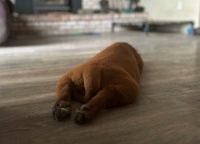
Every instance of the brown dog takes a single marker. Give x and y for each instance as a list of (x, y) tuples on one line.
[(109, 79)]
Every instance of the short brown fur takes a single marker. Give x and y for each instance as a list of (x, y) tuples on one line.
[(109, 79)]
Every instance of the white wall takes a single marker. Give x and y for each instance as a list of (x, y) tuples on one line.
[(173, 10), (163, 10)]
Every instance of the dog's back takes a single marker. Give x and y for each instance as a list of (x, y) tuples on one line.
[(120, 55)]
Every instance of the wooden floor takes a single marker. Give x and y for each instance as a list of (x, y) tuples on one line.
[(168, 111)]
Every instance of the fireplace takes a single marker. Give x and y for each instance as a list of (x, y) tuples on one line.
[(45, 6)]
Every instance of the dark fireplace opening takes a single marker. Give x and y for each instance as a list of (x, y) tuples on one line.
[(45, 6)]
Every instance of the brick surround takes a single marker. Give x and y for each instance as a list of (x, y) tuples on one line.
[(62, 23)]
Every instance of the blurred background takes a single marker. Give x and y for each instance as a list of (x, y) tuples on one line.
[(40, 40), (70, 17)]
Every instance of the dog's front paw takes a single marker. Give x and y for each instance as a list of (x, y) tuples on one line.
[(61, 111), (82, 116)]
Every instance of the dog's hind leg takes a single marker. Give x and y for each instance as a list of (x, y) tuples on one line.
[(92, 82), (110, 96), (90, 109), (62, 107)]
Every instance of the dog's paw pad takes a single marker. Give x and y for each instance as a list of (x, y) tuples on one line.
[(62, 111), (81, 117)]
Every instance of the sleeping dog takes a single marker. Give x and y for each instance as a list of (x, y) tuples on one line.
[(109, 79)]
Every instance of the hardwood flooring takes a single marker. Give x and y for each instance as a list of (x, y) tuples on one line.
[(168, 110)]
